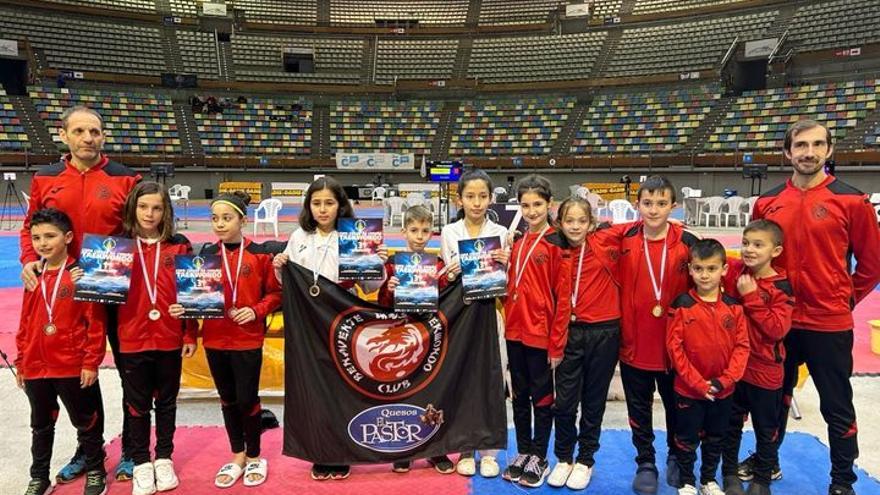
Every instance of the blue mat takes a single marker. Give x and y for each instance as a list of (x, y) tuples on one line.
[(804, 461), (10, 268)]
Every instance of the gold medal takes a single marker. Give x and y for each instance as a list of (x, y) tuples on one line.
[(154, 314), (314, 290), (657, 310), (50, 329)]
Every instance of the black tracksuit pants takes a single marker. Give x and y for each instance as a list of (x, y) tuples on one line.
[(700, 423), (763, 405), (237, 378), (532, 382), (638, 387)]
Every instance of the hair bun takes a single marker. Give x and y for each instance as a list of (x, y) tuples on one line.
[(243, 196)]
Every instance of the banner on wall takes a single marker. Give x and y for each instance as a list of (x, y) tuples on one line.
[(608, 190), (577, 10), (8, 48), (760, 48), (290, 192), (382, 385), (255, 189), (214, 8), (375, 161)]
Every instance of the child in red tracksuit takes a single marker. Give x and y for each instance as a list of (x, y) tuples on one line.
[(768, 302), (234, 344), (60, 344), (708, 343), (418, 225), (537, 311), (587, 368), (152, 342)]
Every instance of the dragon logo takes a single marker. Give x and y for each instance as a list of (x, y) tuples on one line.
[(388, 355)]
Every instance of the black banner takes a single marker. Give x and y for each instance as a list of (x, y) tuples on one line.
[(364, 384)]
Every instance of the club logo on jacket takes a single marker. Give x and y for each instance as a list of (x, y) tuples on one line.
[(728, 322), (168, 261), (387, 355), (765, 296), (541, 259), (820, 212), (103, 192), (65, 291), (246, 270), (394, 427)]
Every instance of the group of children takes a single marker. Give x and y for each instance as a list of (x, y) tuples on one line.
[(581, 295)]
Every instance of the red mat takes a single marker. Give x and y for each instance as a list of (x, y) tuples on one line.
[(200, 451), (865, 361)]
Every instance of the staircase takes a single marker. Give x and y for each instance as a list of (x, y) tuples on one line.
[(562, 146), (321, 131), (227, 70), (187, 130), (462, 58), (443, 137), (38, 135), (855, 138), (171, 50), (368, 64), (696, 143), (611, 41), (473, 13)]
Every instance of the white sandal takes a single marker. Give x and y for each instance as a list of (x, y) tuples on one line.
[(261, 468), (232, 470)]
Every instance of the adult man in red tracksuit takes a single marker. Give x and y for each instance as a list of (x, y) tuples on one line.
[(91, 190), (825, 221)]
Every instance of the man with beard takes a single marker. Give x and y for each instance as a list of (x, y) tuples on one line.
[(825, 222)]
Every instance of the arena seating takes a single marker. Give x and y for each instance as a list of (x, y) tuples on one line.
[(144, 6), (535, 58), (654, 6), (683, 46), (415, 59), (13, 136), (198, 53), (758, 119), (657, 121), (278, 11), (259, 127), (497, 12), (134, 122), (376, 126), (124, 48), (187, 8), (526, 126), (425, 11), (845, 23), (258, 58), (872, 138)]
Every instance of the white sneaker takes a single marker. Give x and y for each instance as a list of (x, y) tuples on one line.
[(143, 481), (580, 477), (711, 488), (559, 475), (489, 467), (466, 466), (687, 490), (166, 478)]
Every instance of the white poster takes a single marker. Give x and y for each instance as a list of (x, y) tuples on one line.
[(375, 161), (8, 48), (577, 10), (213, 8), (760, 48)]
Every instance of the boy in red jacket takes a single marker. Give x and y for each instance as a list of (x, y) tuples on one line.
[(768, 303), (708, 343), (60, 344), (418, 226)]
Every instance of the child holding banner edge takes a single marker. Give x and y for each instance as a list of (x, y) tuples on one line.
[(474, 197), (315, 246)]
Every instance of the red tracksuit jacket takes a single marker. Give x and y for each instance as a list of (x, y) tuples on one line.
[(598, 296), (824, 226), (78, 342), (257, 289), (642, 335), (137, 333), (386, 297), (707, 342), (768, 312), (537, 313), (93, 200)]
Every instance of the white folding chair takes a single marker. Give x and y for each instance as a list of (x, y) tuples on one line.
[(712, 208), (621, 210), (414, 199), (395, 206), (597, 204), (746, 213), (270, 208), (734, 209), (378, 194)]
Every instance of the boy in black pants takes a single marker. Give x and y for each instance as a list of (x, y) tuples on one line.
[(708, 343), (768, 303), (60, 344)]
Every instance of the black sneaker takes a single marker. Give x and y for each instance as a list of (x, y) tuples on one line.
[(756, 488), (96, 483), (442, 464), (733, 486), (400, 467), (534, 473), (39, 487), (514, 470), (840, 490), (747, 466)]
